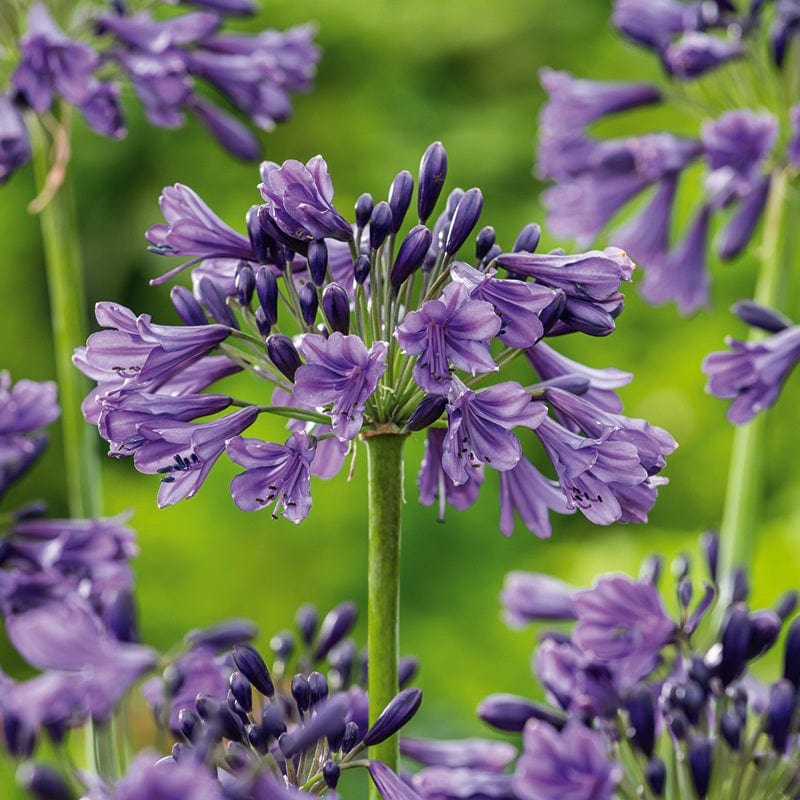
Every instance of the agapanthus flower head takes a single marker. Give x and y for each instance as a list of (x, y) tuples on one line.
[(368, 342), (745, 143)]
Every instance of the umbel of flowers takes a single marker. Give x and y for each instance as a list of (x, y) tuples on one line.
[(358, 331)]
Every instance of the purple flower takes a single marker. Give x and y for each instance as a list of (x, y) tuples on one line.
[(622, 623), (752, 373), (341, 371), (141, 31), (696, 53), (299, 199), (525, 490), (479, 427), (102, 111), (449, 783), (483, 754), (15, 148), (51, 62), (184, 453), (518, 304), (232, 134), (571, 763), (151, 777), (794, 142), (653, 23), (532, 596), (454, 328), (433, 482), (279, 474)]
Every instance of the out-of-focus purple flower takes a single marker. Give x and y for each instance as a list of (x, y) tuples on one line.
[(15, 148), (483, 754), (455, 328), (25, 409), (232, 134), (531, 596), (299, 197), (278, 474), (151, 777), (460, 783), (653, 23), (622, 623), (696, 53), (142, 31), (102, 111), (752, 373), (570, 763), (479, 427), (525, 490), (794, 142), (434, 482), (341, 371)]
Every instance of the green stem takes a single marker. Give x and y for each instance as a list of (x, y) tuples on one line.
[(385, 489), (68, 315), (746, 474)]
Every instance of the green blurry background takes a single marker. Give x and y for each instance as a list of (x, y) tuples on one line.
[(395, 76)]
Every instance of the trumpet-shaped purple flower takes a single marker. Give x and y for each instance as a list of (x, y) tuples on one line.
[(151, 777), (341, 371), (454, 329), (15, 148), (279, 474), (569, 763), (752, 374), (299, 198), (696, 53), (653, 23), (622, 623), (531, 596), (480, 424)]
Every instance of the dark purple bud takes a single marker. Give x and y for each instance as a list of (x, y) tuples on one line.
[(400, 197), (306, 620), (494, 251), (553, 313), (215, 712), (528, 238), (361, 269), (650, 570), (730, 726), (330, 772), (341, 658), (397, 713), (380, 224), (786, 605), (432, 173), (317, 261), (699, 672), (325, 722), (709, 544), (119, 614), (308, 303), (678, 723), (214, 301), (185, 303), (283, 354), (245, 281), (410, 254), (173, 677), (318, 687), (272, 720), (656, 774), (700, 764), (250, 663), (780, 711), (350, 738), (692, 701), (464, 220), (508, 712), (261, 242), (222, 636), (336, 306), (407, 668), (735, 643), (337, 624), (364, 206), (282, 645), (267, 291), (764, 629), (242, 691), (259, 738), (43, 782), (181, 751), (639, 705), (189, 723), (758, 316), (301, 692), (264, 326), (685, 592), (238, 757), (430, 408), (484, 242), (741, 585)]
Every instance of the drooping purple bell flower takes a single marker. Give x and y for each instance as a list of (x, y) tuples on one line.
[(15, 148), (696, 53)]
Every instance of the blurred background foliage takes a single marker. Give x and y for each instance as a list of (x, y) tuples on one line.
[(395, 76)]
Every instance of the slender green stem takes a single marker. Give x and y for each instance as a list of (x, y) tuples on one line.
[(746, 474), (68, 314), (385, 488)]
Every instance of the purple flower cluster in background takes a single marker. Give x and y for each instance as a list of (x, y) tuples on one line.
[(745, 142), (166, 59), (380, 332)]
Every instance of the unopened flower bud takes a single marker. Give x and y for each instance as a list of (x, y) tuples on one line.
[(336, 305), (709, 544), (222, 636), (685, 592), (272, 720), (741, 586), (350, 738), (782, 702), (214, 301), (250, 663), (397, 713), (185, 303), (317, 261), (43, 782), (730, 726), (283, 354), (361, 269), (282, 644), (189, 723), (650, 570), (764, 629), (400, 197), (508, 712), (301, 692), (464, 219), (337, 624), (528, 238), (641, 712), (656, 774), (261, 242), (758, 316), (267, 291), (553, 313), (318, 687), (308, 303), (380, 224), (786, 605), (484, 242), (407, 668), (432, 174), (245, 281), (330, 772), (410, 255), (364, 206), (700, 764), (430, 408)]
